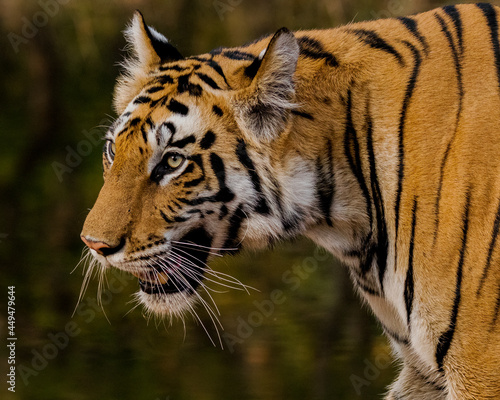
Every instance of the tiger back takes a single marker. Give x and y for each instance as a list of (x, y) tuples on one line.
[(378, 140)]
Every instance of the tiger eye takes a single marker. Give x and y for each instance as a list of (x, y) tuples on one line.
[(174, 160), (110, 150)]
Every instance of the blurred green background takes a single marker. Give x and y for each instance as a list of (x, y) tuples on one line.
[(58, 67)]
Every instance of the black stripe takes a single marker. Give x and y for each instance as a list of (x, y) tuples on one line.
[(217, 111), (366, 261), (171, 127), (183, 142), (401, 151), (208, 140), (144, 134), (238, 55), (454, 51), (372, 39), (149, 122), (246, 161), (312, 48), (142, 100), (252, 69), (194, 182), (409, 282), (325, 182), (235, 222), (366, 288), (209, 81), (183, 200), (276, 191), (429, 381), (172, 67), (291, 222), (223, 211), (155, 102), (134, 122), (224, 194), (159, 132), (382, 242), (196, 211), (167, 220), (188, 170), (491, 16), (351, 146), (122, 131), (177, 107), (217, 68), (395, 336), (185, 86), (154, 89), (218, 168), (196, 159), (412, 26), (446, 337), (454, 14), (497, 309), (303, 114), (494, 236), (458, 70), (164, 79)]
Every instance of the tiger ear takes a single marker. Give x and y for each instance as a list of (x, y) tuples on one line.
[(149, 50), (150, 46), (263, 108)]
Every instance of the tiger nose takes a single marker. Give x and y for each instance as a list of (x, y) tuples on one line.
[(102, 248)]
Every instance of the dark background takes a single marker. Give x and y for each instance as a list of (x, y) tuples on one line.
[(57, 71)]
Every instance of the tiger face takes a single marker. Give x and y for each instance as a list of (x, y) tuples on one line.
[(179, 174)]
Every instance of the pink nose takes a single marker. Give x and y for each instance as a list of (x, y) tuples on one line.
[(102, 248)]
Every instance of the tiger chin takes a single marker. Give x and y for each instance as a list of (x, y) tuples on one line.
[(378, 140)]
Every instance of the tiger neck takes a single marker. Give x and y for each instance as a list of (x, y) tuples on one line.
[(322, 177), (325, 135)]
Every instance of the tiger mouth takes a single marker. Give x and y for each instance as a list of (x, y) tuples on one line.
[(184, 272), (165, 283)]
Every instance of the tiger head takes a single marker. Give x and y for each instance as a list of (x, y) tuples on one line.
[(195, 165)]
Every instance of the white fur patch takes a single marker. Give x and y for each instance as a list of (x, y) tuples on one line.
[(172, 305)]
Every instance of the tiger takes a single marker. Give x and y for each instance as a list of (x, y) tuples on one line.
[(378, 140)]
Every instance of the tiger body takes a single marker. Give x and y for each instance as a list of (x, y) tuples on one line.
[(378, 140)]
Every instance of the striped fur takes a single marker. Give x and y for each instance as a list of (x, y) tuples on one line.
[(378, 140)]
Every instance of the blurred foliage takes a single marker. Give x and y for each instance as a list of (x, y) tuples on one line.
[(58, 67)]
